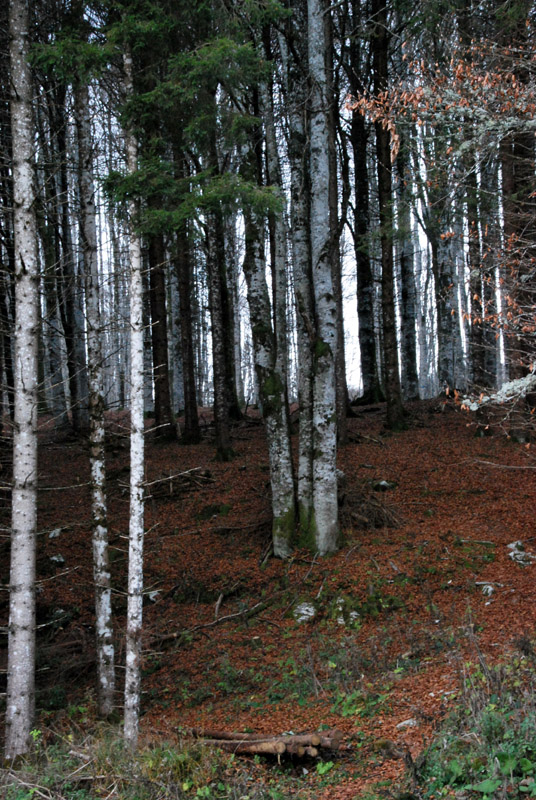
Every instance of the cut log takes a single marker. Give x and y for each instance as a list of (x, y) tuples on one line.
[(212, 733), (294, 744), (312, 739), (272, 747), (330, 740), (295, 750)]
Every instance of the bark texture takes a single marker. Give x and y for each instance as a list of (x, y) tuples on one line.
[(136, 527), (325, 527), (272, 390), (21, 633), (293, 49)]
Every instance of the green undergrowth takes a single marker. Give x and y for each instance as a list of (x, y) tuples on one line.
[(100, 766), (486, 747)]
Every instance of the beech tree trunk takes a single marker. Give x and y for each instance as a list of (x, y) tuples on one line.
[(136, 526), (21, 631), (101, 565)]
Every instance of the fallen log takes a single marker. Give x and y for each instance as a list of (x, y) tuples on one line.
[(274, 748), (313, 739), (331, 740), (296, 744), (295, 750)]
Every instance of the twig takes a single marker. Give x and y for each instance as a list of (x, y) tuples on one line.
[(476, 541), (501, 466), (32, 787), (246, 612), (218, 604), (195, 471)]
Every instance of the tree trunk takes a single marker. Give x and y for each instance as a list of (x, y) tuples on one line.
[(295, 60), (410, 377), (69, 290), (21, 631), (233, 283), (224, 450), (101, 565), (191, 433), (48, 224), (272, 390), (489, 215), (341, 389), (442, 266), (365, 280), (325, 526), (165, 427), (7, 271), (136, 526), (216, 248), (395, 411), (279, 249)]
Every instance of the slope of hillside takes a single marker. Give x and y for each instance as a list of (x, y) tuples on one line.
[(373, 641)]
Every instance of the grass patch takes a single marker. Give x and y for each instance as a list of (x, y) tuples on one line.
[(100, 766), (487, 746)]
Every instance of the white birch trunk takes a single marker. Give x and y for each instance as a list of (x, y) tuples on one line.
[(325, 509), (21, 634), (136, 529), (101, 566)]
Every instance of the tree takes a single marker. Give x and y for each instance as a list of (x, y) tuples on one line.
[(270, 363), (136, 525), (101, 566), (21, 634), (324, 524), (380, 49), (355, 62), (294, 56)]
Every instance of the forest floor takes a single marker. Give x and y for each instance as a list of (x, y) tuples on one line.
[(374, 641)]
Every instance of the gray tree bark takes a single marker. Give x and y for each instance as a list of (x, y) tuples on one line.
[(101, 565), (293, 49), (325, 527), (21, 631), (136, 526)]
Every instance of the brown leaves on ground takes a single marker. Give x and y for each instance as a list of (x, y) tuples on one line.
[(386, 623)]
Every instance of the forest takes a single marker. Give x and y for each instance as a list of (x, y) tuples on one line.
[(267, 378)]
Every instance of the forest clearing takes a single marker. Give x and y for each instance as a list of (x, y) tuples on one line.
[(375, 641)]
